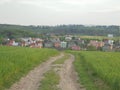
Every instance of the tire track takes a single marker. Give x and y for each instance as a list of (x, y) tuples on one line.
[(68, 76), (32, 80)]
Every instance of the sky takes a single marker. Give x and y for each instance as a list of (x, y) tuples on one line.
[(56, 12)]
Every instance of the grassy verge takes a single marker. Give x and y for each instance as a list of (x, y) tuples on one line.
[(98, 70), (83, 75), (104, 65), (62, 60), (50, 81), (16, 62)]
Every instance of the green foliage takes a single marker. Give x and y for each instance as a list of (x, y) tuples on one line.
[(91, 48), (1, 40), (16, 33), (13, 31), (16, 62), (50, 81)]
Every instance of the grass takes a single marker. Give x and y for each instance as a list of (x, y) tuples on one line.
[(94, 37), (106, 66), (15, 62), (62, 60), (83, 75), (98, 37), (98, 70), (50, 81)]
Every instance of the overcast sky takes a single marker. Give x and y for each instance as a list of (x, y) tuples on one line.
[(53, 12)]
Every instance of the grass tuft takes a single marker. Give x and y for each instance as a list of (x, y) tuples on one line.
[(62, 60), (50, 81)]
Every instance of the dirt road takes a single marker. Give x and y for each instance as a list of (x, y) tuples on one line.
[(68, 76), (32, 80)]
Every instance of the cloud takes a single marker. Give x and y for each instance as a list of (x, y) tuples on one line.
[(59, 11), (71, 5), (4, 1), (75, 5)]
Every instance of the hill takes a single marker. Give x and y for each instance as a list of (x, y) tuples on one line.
[(13, 31)]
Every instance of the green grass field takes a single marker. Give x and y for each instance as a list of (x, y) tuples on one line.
[(15, 62), (98, 70)]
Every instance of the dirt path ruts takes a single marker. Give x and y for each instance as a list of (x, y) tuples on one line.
[(68, 76), (32, 80)]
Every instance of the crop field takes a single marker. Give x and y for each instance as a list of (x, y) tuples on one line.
[(98, 70), (16, 62), (98, 37)]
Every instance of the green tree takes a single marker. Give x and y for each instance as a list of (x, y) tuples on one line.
[(91, 48)]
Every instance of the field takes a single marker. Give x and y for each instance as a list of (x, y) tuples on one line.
[(15, 62), (98, 37), (98, 70)]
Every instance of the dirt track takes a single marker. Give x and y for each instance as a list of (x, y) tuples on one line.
[(68, 76), (32, 80)]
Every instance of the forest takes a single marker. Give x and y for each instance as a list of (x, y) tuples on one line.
[(16, 31)]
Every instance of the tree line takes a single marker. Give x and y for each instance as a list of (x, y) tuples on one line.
[(14, 31)]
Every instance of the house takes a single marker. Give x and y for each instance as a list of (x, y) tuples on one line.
[(12, 43), (48, 44), (93, 43), (77, 48), (110, 42), (70, 44), (23, 43), (55, 39), (108, 45), (68, 38), (63, 44), (32, 42), (107, 48), (26, 41), (110, 35), (37, 44), (79, 42), (96, 43), (57, 44), (100, 44)]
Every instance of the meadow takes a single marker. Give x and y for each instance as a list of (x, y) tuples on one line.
[(98, 70), (16, 62), (98, 37)]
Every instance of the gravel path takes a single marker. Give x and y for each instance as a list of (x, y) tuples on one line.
[(32, 80)]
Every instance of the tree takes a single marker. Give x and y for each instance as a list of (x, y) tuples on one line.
[(91, 48)]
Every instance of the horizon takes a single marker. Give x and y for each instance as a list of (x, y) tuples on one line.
[(57, 24)]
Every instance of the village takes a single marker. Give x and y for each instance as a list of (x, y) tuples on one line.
[(69, 42)]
